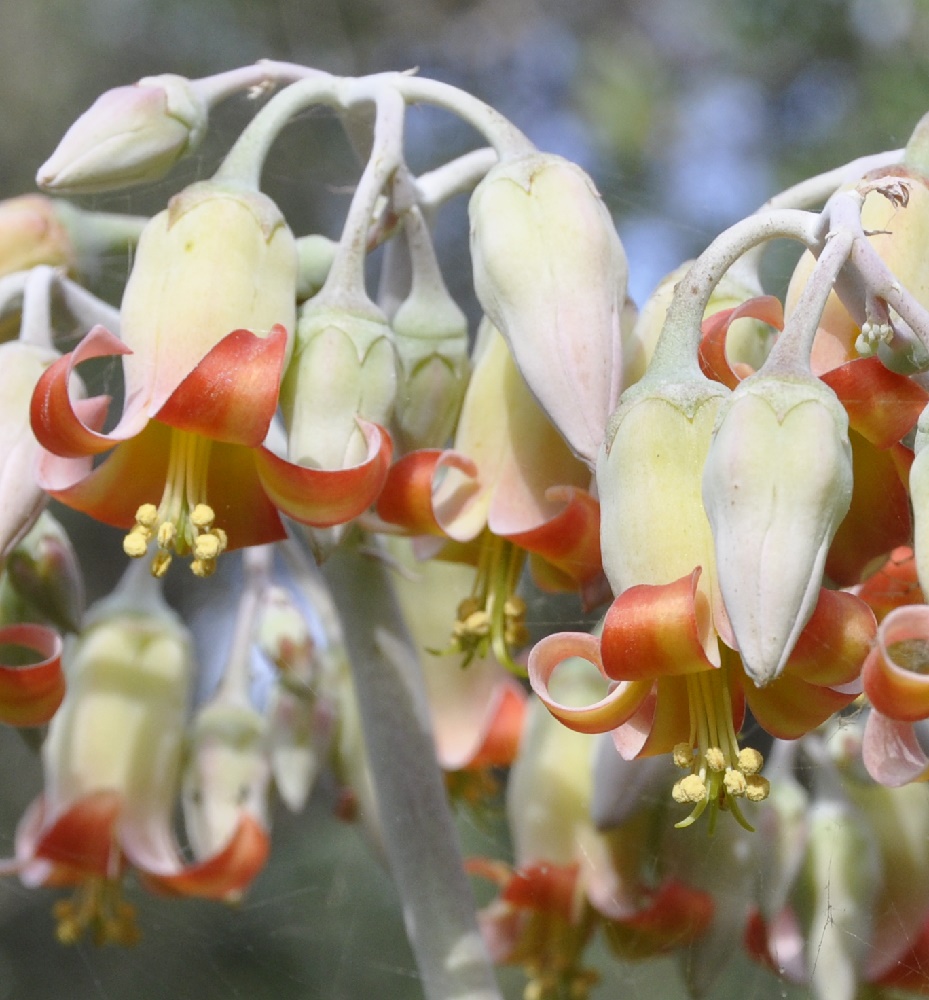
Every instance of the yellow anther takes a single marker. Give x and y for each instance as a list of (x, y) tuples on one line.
[(203, 567), (146, 515), (715, 759), (160, 563), (202, 516), (477, 624), (683, 755), (690, 788), (734, 782), (750, 760), (206, 546), (167, 532), (135, 544), (757, 788), (221, 537), (467, 608), (514, 607)]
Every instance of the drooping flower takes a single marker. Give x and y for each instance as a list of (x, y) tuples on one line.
[(111, 764), (207, 321), (509, 486)]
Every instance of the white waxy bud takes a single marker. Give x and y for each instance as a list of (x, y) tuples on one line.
[(550, 273), (776, 486), (344, 366), (129, 135)]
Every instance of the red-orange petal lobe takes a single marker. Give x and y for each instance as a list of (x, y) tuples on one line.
[(652, 631), (891, 753), (712, 353), (225, 875), (661, 721), (882, 405), (910, 972), (879, 518), (501, 741), (833, 645), (406, 498), (570, 540), (544, 887), (326, 497), (134, 474), (894, 585), (84, 837), (600, 717), (790, 707), (232, 393), (895, 690), (30, 694), (675, 915), (58, 422)]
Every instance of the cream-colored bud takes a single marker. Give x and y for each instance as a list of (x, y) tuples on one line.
[(777, 484), (550, 274), (344, 367), (129, 135), (31, 233)]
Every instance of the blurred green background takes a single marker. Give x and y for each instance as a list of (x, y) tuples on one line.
[(688, 113)]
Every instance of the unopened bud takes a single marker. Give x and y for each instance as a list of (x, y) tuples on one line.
[(31, 233), (129, 135)]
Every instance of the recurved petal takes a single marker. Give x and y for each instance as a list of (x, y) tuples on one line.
[(570, 540), (224, 876), (789, 707), (83, 837), (661, 721), (30, 694), (891, 752), (713, 358), (407, 496), (326, 497), (601, 716), (654, 631), (232, 393), (59, 423), (894, 673)]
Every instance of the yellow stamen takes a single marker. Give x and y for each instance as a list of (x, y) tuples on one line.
[(98, 907), (721, 771), (493, 616), (183, 522)]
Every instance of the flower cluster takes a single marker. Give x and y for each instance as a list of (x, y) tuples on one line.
[(731, 502)]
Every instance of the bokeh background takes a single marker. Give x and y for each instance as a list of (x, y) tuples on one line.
[(688, 113)]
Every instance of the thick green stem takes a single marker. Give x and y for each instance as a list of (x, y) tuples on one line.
[(419, 834)]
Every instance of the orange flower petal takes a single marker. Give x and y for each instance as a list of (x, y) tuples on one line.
[(894, 585), (570, 540), (237, 495), (501, 740), (894, 689), (58, 422), (406, 498), (226, 875), (712, 355), (83, 839), (661, 721), (833, 645), (882, 406), (879, 517), (789, 707), (600, 717), (673, 916), (545, 888), (652, 631), (325, 497), (232, 393), (30, 694)]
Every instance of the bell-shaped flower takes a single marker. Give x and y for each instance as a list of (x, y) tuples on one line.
[(477, 711), (128, 135), (225, 784), (550, 274), (111, 764), (508, 487), (776, 485), (202, 373)]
